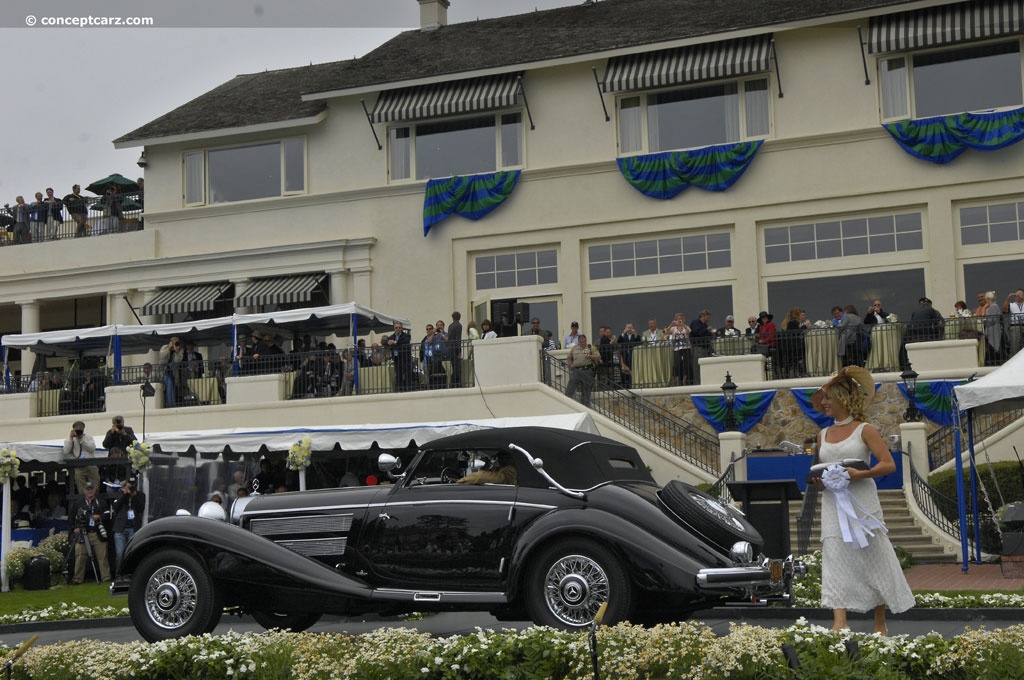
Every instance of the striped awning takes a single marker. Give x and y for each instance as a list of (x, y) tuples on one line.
[(723, 59), (279, 290), (962, 22), (447, 99), (185, 299)]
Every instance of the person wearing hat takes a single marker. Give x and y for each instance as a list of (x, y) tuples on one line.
[(767, 333), (574, 335), (860, 570), (729, 330), (127, 512), (87, 517)]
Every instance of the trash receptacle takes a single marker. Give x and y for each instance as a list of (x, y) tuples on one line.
[(766, 505), (37, 573)]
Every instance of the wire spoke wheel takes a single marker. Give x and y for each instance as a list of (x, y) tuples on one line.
[(171, 597), (574, 588)]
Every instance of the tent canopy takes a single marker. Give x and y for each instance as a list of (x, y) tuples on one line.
[(325, 438), (1000, 390), (337, 319)]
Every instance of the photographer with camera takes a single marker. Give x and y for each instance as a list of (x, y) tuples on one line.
[(118, 438), (126, 511), (87, 517), (171, 356), (80, 445)]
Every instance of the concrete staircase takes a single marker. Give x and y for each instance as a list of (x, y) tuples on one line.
[(903, 530)]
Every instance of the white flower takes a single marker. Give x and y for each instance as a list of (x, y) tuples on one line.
[(300, 454), (892, 318)]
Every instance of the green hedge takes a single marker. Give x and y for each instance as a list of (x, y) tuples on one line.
[(1007, 481)]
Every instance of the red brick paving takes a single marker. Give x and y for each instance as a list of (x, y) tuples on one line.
[(952, 577)]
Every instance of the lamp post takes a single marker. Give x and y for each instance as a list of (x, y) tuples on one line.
[(729, 390), (909, 377)]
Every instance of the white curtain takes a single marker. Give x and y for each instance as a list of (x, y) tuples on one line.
[(756, 101), (893, 74), (631, 127)]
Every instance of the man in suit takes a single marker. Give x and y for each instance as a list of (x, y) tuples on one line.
[(399, 344), (626, 342), (193, 360), (925, 325), (701, 334), (875, 315), (455, 349), (653, 333)]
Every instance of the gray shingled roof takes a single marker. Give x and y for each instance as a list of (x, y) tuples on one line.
[(251, 99), (487, 44)]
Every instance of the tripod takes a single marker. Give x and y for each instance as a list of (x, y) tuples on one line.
[(65, 567)]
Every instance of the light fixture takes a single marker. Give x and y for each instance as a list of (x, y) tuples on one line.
[(142, 162), (729, 390), (909, 377)]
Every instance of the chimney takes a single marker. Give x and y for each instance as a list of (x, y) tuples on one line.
[(433, 14)]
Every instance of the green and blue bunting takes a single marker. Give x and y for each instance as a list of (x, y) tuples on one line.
[(803, 400), (934, 399), (942, 138), (803, 396), (713, 168), (748, 411), (471, 196)]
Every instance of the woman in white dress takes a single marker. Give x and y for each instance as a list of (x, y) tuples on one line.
[(855, 577)]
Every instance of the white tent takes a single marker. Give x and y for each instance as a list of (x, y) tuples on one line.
[(350, 318), (1000, 390), (349, 437)]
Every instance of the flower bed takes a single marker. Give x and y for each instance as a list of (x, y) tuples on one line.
[(626, 652)]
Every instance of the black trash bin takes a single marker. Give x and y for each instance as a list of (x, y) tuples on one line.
[(766, 505), (37, 573)]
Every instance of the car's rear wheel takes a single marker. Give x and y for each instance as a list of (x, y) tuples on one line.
[(172, 595), (569, 581), (296, 623), (719, 522)]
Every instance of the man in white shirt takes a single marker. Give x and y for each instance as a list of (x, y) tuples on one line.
[(80, 445), (574, 335)]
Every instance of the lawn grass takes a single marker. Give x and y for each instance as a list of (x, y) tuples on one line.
[(85, 595)]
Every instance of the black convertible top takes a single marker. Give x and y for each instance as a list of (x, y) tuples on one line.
[(577, 460)]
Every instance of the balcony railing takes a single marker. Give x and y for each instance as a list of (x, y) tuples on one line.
[(92, 216), (812, 352)]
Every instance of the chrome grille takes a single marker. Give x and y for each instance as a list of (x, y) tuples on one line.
[(315, 546), (306, 524)]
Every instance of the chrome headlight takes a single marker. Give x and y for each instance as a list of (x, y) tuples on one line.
[(742, 552), (238, 507), (212, 510)]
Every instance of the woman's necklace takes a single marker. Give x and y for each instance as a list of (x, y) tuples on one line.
[(845, 421)]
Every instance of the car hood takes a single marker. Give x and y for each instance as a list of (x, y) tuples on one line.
[(355, 496)]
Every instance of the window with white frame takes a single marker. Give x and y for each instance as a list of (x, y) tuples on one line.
[(514, 270), (994, 223), (694, 252), (243, 173), (952, 80), (461, 146), (714, 113), (844, 237)]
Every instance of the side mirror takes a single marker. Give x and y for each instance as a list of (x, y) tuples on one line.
[(386, 462)]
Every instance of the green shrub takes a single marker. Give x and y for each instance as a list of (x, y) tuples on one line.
[(1008, 480)]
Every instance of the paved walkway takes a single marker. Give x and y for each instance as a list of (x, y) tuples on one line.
[(952, 577)]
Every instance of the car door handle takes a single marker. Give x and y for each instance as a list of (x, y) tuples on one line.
[(384, 516)]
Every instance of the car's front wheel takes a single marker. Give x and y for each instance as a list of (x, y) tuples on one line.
[(172, 595), (295, 623), (569, 581)]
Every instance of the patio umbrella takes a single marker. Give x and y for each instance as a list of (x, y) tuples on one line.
[(123, 184)]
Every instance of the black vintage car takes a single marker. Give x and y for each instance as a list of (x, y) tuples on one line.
[(578, 522)]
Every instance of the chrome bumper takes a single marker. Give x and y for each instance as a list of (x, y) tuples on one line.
[(774, 574)]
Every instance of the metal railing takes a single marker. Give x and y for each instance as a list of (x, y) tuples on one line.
[(65, 392), (942, 442), (654, 423), (720, 488), (936, 506), (59, 220), (811, 352)]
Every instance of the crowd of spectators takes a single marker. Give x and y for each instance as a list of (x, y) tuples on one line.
[(49, 218)]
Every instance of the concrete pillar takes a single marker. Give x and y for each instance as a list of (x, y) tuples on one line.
[(240, 286), (361, 285), (915, 442), (338, 287), (29, 324), (732, 445)]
